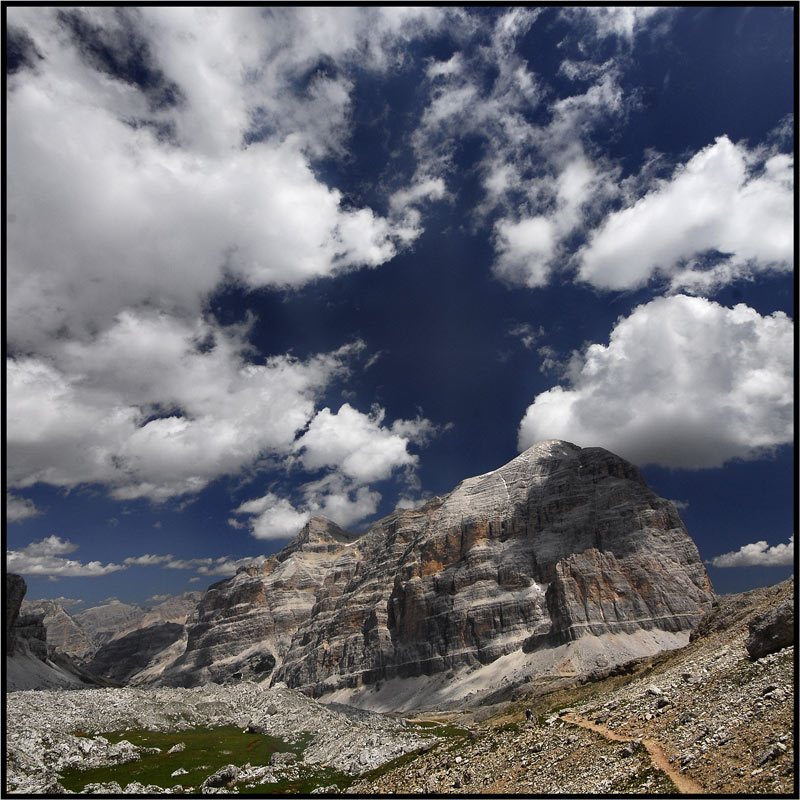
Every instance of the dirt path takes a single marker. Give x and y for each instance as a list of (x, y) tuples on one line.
[(684, 784)]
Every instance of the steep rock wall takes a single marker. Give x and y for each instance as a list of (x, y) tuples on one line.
[(559, 544)]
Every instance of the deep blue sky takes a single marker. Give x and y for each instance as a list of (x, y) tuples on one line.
[(265, 264)]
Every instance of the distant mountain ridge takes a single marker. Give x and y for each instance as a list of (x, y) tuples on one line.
[(562, 560), (83, 635)]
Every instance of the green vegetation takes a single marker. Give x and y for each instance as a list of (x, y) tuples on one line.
[(207, 750), (307, 779), (509, 727)]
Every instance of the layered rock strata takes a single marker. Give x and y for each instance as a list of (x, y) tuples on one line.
[(122, 659), (560, 544), (63, 633)]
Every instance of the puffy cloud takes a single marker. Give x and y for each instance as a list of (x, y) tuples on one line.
[(683, 382), (338, 499), (274, 517), (540, 175), (153, 153), (68, 602), (147, 560), (355, 449), (156, 407), (404, 205), (224, 565), (46, 557), (158, 598), (758, 554), (736, 202), (143, 199), (19, 508), (357, 444), (525, 249)]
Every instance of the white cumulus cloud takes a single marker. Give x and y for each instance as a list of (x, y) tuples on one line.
[(46, 557), (727, 199), (757, 554), (357, 444), (156, 407), (354, 449), (19, 508), (683, 382), (333, 497)]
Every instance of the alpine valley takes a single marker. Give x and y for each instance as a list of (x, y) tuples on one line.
[(561, 568)]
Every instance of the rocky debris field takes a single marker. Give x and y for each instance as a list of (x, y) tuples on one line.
[(524, 758), (716, 720), (52, 731)]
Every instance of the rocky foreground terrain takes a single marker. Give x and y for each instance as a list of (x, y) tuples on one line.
[(716, 716)]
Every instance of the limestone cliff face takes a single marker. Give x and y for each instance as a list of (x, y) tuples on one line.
[(124, 657), (559, 544), (63, 633), (245, 623), (103, 623)]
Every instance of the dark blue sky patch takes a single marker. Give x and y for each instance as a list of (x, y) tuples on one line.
[(20, 50), (124, 54)]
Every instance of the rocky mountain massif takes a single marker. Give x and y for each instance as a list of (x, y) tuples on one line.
[(110, 644), (561, 562)]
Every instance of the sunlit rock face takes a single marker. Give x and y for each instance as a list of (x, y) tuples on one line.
[(558, 544), (63, 633)]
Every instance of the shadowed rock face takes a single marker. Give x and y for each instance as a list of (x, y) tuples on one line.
[(15, 592), (63, 633), (120, 659), (559, 544)]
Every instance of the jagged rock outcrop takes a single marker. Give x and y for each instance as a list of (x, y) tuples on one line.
[(32, 663), (174, 609), (771, 631), (558, 546), (63, 633), (15, 592), (244, 622), (103, 623)]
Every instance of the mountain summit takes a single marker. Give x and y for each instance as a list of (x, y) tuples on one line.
[(560, 562)]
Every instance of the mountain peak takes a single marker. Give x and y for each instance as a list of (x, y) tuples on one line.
[(552, 557)]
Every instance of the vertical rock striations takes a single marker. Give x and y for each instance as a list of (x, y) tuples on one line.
[(15, 592), (559, 544)]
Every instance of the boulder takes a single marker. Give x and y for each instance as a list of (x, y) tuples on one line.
[(771, 631), (222, 777)]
